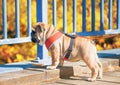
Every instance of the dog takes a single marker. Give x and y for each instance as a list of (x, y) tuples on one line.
[(60, 44)]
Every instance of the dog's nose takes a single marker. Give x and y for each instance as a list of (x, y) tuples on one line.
[(34, 37)]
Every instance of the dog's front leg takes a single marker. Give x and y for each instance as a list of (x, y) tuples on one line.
[(55, 57)]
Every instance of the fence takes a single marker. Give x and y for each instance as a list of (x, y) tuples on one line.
[(42, 16), (17, 39), (102, 31)]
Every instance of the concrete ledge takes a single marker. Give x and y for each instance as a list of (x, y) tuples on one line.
[(79, 68), (29, 77), (39, 75)]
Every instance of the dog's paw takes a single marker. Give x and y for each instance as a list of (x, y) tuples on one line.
[(91, 79), (99, 77), (51, 67)]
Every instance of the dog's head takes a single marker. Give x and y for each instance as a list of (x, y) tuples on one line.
[(38, 34)]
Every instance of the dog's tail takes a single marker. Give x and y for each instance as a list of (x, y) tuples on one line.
[(104, 36)]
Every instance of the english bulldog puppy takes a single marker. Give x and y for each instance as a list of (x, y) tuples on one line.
[(58, 44)]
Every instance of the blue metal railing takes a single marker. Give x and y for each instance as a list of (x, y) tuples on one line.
[(54, 12), (93, 15), (102, 30), (29, 17), (17, 39), (42, 16), (65, 15), (4, 18), (84, 31), (110, 14), (84, 16), (118, 15), (102, 15), (74, 16), (17, 9)]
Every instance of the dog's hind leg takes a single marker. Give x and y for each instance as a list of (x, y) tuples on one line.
[(93, 67), (100, 71)]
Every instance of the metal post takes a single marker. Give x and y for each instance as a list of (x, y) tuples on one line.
[(93, 15), (54, 12), (84, 16), (4, 19), (118, 14), (42, 52), (65, 16), (17, 18), (110, 15), (29, 17), (74, 16), (102, 15)]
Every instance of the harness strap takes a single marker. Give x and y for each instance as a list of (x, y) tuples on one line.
[(52, 39), (71, 36), (67, 53)]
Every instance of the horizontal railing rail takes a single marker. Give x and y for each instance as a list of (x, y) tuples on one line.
[(17, 39)]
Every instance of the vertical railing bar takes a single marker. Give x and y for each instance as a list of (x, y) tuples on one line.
[(65, 16), (17, 18), (84, 16), (118, 14), (54, 12), (4, 19), (110, 15), (29, 16), (102, 15), (93, 15), (74, 16), (42, 13)]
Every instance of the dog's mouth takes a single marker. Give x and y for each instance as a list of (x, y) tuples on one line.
[(34, 37)]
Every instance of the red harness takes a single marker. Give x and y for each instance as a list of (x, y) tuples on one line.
[(55, 37), (52, 39)]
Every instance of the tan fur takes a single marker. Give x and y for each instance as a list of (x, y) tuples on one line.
[(83, 48)]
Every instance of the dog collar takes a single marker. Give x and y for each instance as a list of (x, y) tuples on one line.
[(52, 39)]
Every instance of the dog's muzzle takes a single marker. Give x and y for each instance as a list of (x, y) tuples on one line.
[(34, 37)]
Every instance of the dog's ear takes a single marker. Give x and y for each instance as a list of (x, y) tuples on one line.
[(38, 27)]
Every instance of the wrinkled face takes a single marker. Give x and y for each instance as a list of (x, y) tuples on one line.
[(38, 35)]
